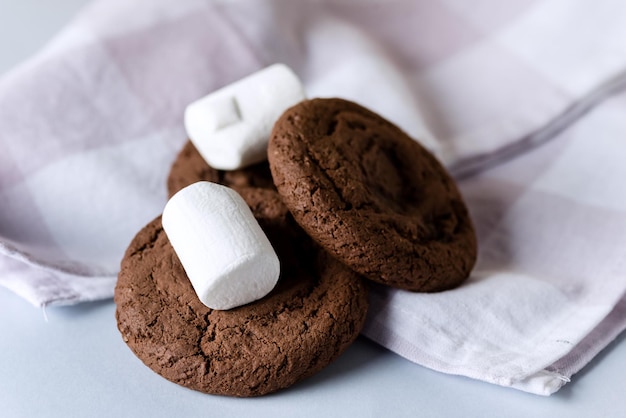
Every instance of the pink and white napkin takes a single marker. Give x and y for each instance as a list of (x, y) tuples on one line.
[(92, 123)]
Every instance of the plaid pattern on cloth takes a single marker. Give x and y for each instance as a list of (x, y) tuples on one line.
[(92, 123)]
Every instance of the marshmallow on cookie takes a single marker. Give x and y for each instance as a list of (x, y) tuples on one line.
[(227, 257), (231, 126)]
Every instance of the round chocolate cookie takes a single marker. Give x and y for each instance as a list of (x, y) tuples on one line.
[(312, 316), (371, 196), (314, 313)]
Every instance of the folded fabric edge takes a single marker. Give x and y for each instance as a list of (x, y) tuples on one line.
[(554, 377), (44, 287), (69, 268), (544, 382), (593, 343), (541, 383)]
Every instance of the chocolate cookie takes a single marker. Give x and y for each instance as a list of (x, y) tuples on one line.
[(312, 316), (371, 196)]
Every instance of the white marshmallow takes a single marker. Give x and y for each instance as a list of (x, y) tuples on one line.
[(231, 126), (227, 257)]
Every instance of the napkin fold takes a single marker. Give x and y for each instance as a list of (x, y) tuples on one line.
[(92, 123)]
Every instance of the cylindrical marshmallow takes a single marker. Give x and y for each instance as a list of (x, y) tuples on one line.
[(227, 257), (231, 126)]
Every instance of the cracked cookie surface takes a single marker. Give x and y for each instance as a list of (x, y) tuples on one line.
[(371, 196), (316, 310)]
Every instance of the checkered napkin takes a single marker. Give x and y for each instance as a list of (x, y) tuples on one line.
[(92, 123)]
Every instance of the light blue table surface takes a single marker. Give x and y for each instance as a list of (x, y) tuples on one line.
[(76, 364)]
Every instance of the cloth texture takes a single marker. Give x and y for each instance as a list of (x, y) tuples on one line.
[(521, 100)]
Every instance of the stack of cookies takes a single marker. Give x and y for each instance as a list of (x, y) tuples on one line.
[(345, 198)]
